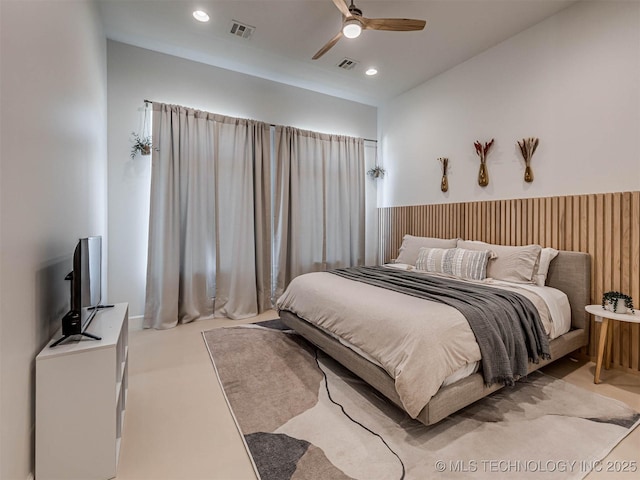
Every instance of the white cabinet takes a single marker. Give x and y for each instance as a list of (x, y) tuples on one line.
[(81, 393)]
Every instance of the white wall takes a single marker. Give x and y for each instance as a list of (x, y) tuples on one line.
[(135, 74), (572, 80), (52, 189)]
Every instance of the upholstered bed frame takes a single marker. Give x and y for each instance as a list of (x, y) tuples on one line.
[(568, 272)]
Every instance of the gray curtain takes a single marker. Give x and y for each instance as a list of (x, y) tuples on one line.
[(210, 219), (319, 203)]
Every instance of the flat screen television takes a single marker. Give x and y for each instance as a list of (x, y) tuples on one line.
[(86, 288)]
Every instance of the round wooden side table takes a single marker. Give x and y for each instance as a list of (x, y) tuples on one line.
[(602, 315)]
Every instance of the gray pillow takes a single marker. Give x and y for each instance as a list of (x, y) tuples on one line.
[(410, 248), (512, 264)]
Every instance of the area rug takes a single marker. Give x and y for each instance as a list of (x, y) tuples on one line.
[(305, 417)]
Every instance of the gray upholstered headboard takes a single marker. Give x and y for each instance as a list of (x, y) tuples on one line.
[(571, 273)]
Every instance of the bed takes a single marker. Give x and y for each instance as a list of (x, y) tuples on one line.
[(568, 272)]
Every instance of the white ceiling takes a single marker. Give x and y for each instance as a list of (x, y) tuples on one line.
[(289, 32)]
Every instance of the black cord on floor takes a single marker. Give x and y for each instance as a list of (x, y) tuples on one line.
[(326, 384)]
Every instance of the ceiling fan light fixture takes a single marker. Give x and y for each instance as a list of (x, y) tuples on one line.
[(353, 23), (352, 28)]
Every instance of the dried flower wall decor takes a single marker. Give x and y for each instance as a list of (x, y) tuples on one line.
[(444, 184), (482, 151), (528, 148)]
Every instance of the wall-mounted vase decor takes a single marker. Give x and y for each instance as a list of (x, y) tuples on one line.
[(482, 151), (444, 184), (528, 148)]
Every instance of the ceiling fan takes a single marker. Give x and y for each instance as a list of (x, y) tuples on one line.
[(353, 23)]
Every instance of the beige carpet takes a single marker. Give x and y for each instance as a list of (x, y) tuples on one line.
[(307, 420)]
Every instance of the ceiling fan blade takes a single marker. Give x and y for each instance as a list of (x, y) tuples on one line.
[(342, 7), (328, 45), (393, 24)]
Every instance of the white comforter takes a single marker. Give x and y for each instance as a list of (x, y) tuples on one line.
[(419, 343)]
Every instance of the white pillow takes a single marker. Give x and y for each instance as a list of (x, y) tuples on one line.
[(512, 264), (461, 263), (546, 255), (410, 248)]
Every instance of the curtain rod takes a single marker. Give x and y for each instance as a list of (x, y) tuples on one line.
[(365, 139)]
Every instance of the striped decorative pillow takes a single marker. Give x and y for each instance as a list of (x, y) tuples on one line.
[(467, 264)]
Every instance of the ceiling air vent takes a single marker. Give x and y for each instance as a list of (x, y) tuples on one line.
[(347, 64), (241, 30)]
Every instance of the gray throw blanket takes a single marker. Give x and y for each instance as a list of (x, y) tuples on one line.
[(506, 324)]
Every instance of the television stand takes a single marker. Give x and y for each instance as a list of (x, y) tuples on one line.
[(100, 307), (60, 340), (81, 400), (72, 325)]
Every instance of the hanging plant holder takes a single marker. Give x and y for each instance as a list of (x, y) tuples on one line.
[(376, 172), (141, 145), (142, 142)]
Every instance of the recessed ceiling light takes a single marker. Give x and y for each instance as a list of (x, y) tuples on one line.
[(371, 71), (201, 16)]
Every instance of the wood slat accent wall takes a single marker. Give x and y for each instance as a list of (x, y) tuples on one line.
[(606, 225)]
